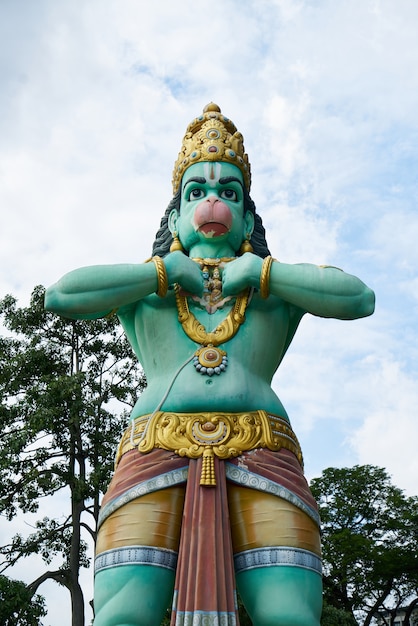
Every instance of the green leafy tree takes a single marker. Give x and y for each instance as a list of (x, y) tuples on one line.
[(18, 605), (370, 540), (331, 616), (65, 387)]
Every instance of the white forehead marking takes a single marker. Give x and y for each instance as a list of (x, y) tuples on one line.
[(212, 172)]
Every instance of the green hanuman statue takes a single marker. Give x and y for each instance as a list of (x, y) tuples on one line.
[(209, 492)]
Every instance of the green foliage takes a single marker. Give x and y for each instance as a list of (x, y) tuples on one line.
[(369, 539), (331, 616), (65, 389), (18, 605)]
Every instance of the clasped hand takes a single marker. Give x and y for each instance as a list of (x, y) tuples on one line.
[(237, 275)]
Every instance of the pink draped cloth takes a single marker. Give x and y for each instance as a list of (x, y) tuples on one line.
[(205, 580)]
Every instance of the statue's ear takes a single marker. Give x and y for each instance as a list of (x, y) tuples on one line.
[(248, 224), (172, 221)]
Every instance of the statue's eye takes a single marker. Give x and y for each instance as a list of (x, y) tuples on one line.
[(195, 194), (229, 194)]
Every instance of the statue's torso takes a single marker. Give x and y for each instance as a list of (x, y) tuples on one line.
[(163, 347)]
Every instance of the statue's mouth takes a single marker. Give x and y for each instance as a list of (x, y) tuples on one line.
[(213, 229)]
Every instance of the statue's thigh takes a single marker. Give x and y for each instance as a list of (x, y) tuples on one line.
[(136, 554), (277, 559), (261, 520)]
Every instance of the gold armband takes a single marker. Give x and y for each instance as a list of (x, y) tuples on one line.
[(161, 276), (265, 277)]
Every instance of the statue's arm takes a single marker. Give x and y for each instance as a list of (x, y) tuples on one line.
[(92, 292), (323, 291), (96, 291)]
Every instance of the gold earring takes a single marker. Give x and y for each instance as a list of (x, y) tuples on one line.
[(176, 244), (246, 246)]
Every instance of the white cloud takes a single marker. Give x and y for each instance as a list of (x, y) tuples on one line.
[(389, 433), (394, 239), (283, 117)]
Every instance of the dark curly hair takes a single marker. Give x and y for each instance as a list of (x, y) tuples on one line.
[(164, 239)]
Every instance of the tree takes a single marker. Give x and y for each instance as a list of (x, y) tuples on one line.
[(18, 605), (59, 383), (369, 540), (331, 616)]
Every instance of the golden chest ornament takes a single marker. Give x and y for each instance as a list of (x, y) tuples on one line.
[(209, 359)]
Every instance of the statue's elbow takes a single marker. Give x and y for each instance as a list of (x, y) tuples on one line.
[(51, 299), (368, 303)]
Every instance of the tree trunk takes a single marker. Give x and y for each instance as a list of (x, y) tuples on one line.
[(386, 591), (77, 482), (77, 604), (407, 618), (77, 598)]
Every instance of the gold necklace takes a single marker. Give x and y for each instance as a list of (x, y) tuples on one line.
[(209, 359), (213, 262)]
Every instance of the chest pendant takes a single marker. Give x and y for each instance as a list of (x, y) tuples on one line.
[(210, 360)]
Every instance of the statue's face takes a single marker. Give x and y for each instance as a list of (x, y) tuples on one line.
[(212, 207)]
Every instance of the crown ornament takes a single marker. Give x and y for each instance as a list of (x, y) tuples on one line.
[(211, 137)]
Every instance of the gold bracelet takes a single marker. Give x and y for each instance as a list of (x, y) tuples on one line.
[(161, 276), (265, 277)]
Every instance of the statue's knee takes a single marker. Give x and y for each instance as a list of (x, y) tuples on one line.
[(132, 595), (281, 596), (279, 616)]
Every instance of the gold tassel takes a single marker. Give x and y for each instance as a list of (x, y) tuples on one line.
[(207, 476)]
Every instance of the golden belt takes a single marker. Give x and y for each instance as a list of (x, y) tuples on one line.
[(207, 435)]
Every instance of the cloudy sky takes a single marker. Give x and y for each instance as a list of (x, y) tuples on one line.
[(95, 96)]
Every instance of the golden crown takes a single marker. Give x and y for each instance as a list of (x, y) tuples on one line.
[(212, 137)]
